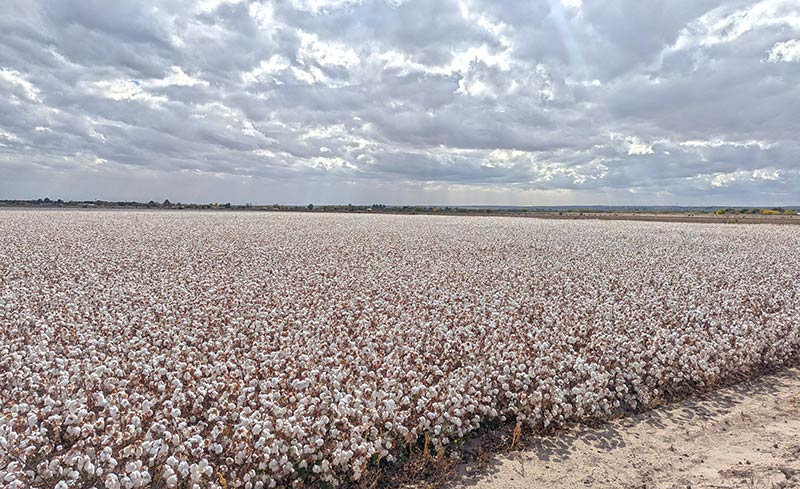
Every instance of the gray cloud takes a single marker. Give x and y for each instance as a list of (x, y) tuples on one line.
[(451, 102)]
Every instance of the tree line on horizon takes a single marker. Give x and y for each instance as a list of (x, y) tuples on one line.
[(167, 204)]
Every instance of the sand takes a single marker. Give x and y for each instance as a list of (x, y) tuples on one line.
[(746, 436)]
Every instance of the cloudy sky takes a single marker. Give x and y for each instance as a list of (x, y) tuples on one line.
[(433, 102)]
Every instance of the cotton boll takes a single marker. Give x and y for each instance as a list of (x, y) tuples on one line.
[(112, 481)]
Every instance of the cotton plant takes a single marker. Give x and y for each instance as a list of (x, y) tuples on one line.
[(265, 350)]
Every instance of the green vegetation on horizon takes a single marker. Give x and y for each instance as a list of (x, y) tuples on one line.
[(403, 209)]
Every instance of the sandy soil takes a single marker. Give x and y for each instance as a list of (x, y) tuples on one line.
[(746, 436)]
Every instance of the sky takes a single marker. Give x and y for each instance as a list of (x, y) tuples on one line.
[(445, 102)]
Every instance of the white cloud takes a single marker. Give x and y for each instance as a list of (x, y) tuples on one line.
[(15, 78), (718, 143), (141, 90), (725, 24), (633, 145), (767, 174), (637, 147), (726, 179), (175, 77), (318, 6), (787, 52), (512, 101), (122, 90), (6, 138)]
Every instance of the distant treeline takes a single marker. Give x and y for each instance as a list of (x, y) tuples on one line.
[(393, 209), (46, 202), (755, 210)]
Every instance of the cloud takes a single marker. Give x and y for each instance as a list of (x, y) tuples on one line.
[(447, 102), (786, 51)]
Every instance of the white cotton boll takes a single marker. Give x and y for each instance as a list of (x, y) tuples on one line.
[(112, 481), (136, 478), (170, 478)]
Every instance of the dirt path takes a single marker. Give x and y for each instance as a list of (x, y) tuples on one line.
[(746, 436)]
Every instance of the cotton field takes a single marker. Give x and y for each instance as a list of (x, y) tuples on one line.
[(188, 349)]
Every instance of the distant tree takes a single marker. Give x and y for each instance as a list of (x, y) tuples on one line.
[(227, 205), (46, 200), (719, 211), (310, 207)]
